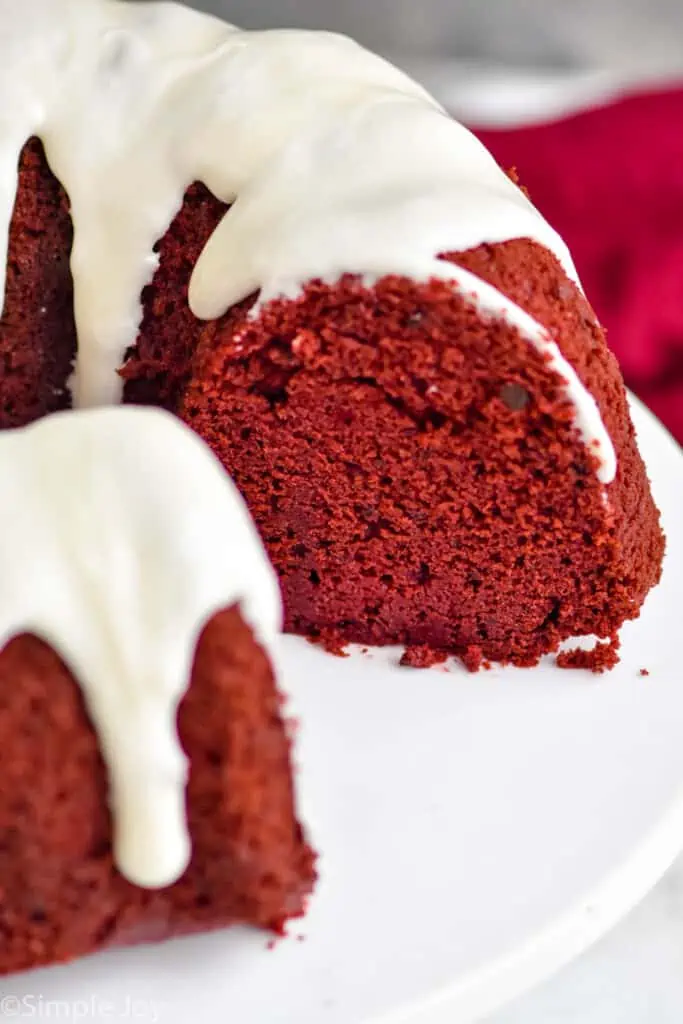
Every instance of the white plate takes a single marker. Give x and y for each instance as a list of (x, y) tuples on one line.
[(476, 832)]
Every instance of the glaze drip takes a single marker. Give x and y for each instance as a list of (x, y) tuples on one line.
[(334, 160), (130, 567)]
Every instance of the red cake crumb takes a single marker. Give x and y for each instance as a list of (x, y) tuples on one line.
[(422, 656), (472, 658), (644, 672), (513, 175), (601, 658), (331, 641)]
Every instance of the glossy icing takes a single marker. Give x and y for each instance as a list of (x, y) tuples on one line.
[(334, 160), (119, 568)]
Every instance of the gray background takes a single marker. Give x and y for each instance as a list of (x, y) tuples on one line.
[(628, 35)]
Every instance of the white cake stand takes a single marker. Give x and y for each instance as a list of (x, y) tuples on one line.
[(476, 832)]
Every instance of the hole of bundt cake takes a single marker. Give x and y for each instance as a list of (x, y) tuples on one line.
[(314, 578), (515, 396)]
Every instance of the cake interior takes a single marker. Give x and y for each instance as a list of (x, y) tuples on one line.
[(413, 466)]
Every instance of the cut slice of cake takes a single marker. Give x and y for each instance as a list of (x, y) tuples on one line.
[(135, 592), (417, 469), (369, 322)]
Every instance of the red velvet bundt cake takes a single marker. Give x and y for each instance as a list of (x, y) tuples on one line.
[(383, 341), (116, 827), (288, 244)]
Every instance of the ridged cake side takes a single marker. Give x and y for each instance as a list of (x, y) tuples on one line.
[(62, 894)]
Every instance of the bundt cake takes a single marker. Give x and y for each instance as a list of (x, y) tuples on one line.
[(284, 240), (111, 577)]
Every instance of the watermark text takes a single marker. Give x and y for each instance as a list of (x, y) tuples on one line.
[(37, 1007)]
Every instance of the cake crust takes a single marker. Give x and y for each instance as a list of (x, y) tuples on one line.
[(61, 895), (37, 329)]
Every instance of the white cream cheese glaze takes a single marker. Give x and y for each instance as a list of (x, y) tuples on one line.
[(119, 568), (334, 161)]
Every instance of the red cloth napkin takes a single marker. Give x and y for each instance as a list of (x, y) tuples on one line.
[(611, 181)]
